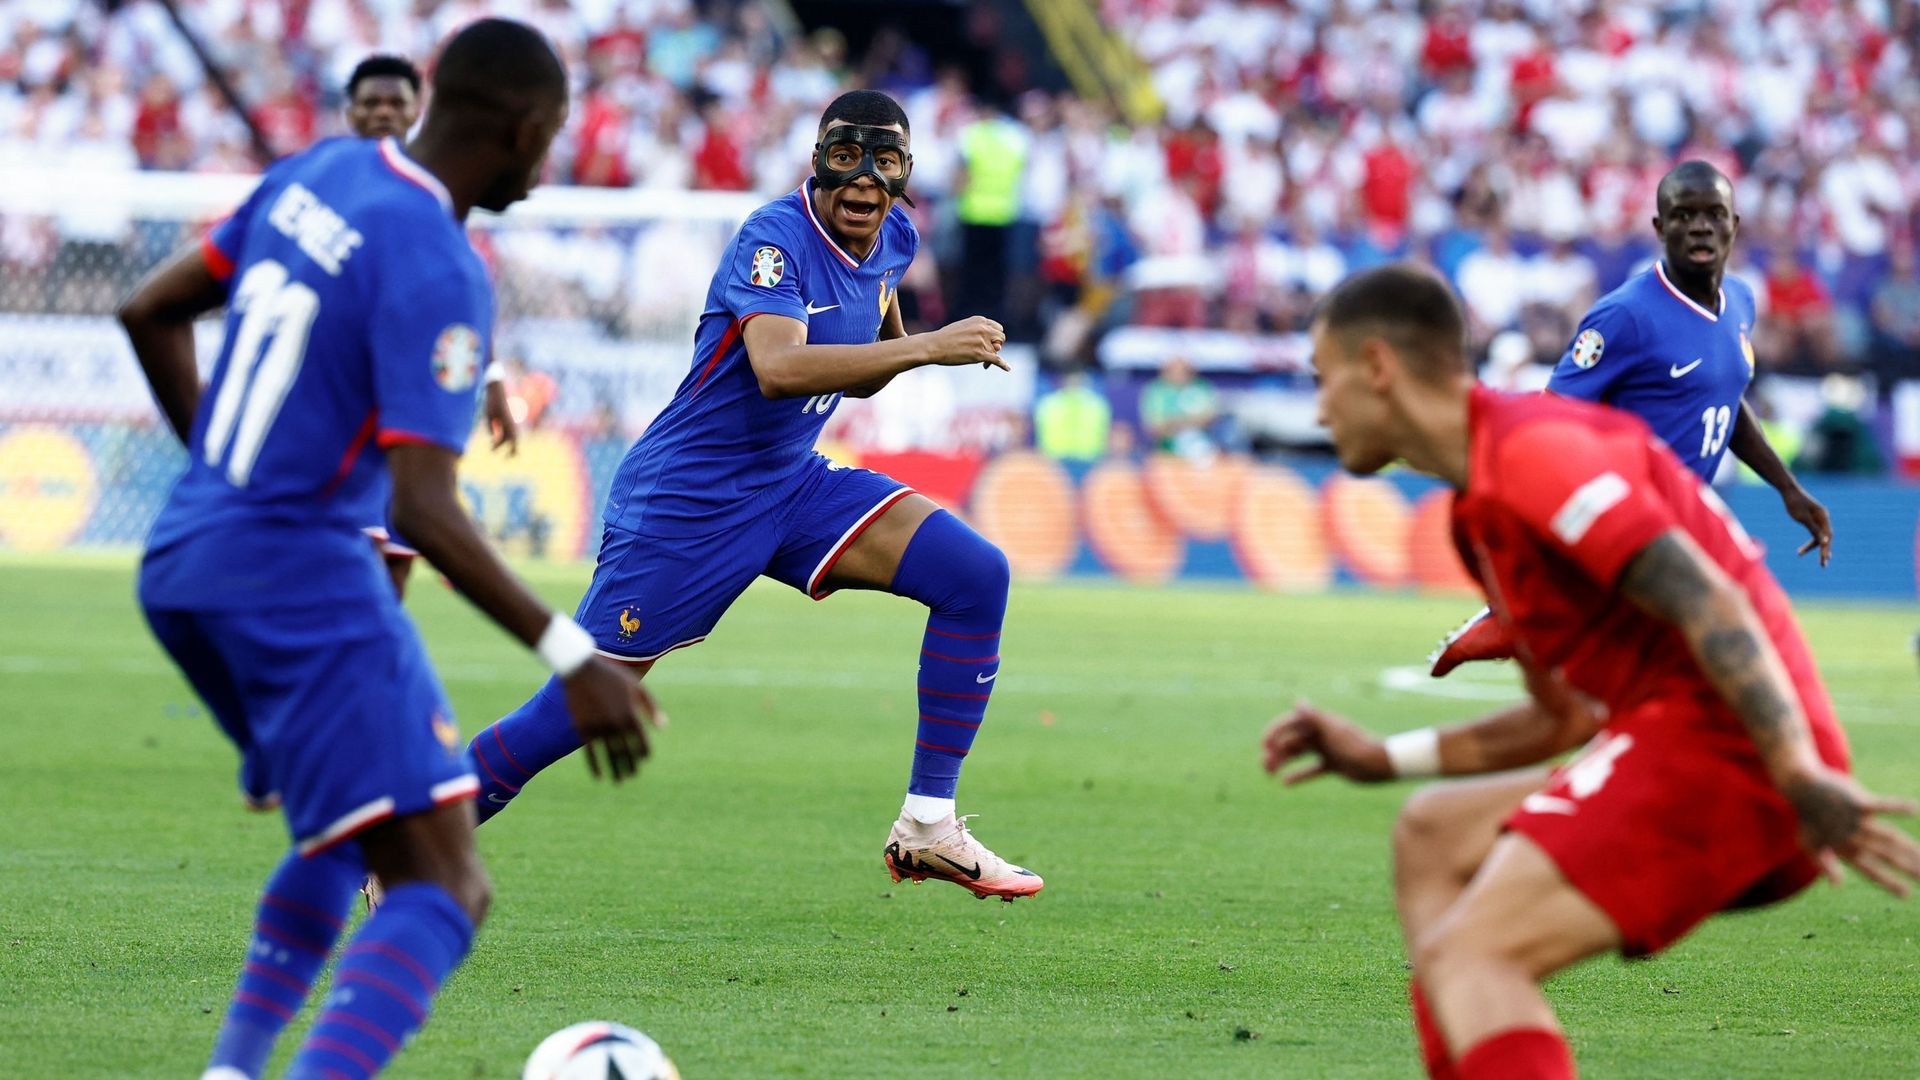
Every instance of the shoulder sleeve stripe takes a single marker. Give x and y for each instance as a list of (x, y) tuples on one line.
[(217, 261), (1586, 504)]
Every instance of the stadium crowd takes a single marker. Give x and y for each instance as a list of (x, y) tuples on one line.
[(1516, 145)]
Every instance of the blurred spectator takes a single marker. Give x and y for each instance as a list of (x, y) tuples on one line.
[(1798, 327), (1840, 441), (159, 141), (601, 150), (1493, 282), (719, 162), (1895, 350), (993, 158), (1073, 421), (529, 393), (1178, 410)]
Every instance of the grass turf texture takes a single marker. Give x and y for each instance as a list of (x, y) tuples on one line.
[(1198, 920)]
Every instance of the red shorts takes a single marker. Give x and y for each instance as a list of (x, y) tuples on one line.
[(1668, 817)]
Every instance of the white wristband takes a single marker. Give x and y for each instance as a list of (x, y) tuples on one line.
[(564, 646), (495, 373), (1415, 753)]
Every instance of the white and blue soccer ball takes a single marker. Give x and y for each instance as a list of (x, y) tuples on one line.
[(598, 1050)]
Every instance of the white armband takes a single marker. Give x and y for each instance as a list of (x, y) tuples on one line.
[(1415, 753), (564, 646), (495, 373)]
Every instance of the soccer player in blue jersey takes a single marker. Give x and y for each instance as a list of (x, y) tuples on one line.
[(383, 100), (1671, 345), (726, 486), (358, 319)]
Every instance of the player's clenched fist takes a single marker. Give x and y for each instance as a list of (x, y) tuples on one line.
[(975, 339), (603, 699), (1341, 747)]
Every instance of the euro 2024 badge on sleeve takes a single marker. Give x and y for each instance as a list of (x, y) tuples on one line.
[(768, 267), (1587, 348), (456, 357)]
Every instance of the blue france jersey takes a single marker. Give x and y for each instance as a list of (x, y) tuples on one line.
[(717, 455), (1650, 350), (358, 317)]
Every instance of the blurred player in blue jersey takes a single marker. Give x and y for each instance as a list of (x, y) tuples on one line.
[(726, 486), (358, 318), (1671, 346), (383, 101)]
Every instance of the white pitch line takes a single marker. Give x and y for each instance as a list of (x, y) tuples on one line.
[(1413, 679)]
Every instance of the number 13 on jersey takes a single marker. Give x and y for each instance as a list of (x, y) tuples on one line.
[(1717, 424)]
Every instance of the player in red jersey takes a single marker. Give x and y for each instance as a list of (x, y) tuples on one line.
[(1716, 776)]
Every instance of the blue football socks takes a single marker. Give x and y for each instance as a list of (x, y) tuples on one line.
[(962, 578), (510, 751), (301, 912), (384, 986)]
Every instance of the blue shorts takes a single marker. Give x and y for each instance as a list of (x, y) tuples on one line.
[(336, 711), (652, 595)]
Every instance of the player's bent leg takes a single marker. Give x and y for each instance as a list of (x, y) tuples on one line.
[(301, 912), (1441, 837), (520, 745), (916, 550), (1482, 963), (437, 893)]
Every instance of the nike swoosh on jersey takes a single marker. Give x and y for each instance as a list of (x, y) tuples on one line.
[(1676, 370), (986, 678), (811, 310)]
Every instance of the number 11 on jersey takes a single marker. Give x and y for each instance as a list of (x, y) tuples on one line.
[(259, 372)]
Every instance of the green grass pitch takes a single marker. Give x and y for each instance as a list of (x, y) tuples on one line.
[(1198, 920)]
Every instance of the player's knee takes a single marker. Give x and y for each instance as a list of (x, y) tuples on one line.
[(990, 572), (955, 569), (1422, 829), (1447, 948)]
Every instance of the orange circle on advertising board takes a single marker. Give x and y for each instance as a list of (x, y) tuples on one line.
[(1278, 538), (48, 488), (1367, 520), (537, 502), (1196, 497), (1431, 557), (1024, 503), (1124, 532)]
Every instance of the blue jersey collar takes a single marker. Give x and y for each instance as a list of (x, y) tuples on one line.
[(1660, 269), (806, 200), (399, 162)]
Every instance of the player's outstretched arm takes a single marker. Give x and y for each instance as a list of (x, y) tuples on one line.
[(1750, 445), (158, 317), (600, 695), (1508, 739), (1674, 580), (787, 367)]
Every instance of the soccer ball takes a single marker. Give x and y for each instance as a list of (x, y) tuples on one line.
[(597, 1050)]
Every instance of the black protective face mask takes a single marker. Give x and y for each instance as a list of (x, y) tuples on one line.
[(869, 141)]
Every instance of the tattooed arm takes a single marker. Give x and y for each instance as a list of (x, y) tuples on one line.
[(1675, 581)]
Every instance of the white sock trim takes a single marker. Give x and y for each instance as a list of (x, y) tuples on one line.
[(926, 809)]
